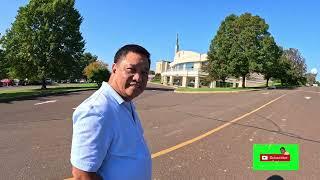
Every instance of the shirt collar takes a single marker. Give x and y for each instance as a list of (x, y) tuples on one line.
[(106, 86)]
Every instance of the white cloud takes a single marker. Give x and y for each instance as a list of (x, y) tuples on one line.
[(314, 71)]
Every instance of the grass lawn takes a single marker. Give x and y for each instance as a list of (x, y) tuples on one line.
[(19, 92), (189, 89), (155, 81)]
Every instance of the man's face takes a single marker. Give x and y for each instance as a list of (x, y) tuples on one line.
[(282, 151), (131, 75)]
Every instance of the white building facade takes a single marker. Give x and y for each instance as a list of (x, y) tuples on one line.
[(186, 70)]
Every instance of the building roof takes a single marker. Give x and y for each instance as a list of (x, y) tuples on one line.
[(188, 56), (164, 61)]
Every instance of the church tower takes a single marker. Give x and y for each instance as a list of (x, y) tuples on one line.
[(177, 44)]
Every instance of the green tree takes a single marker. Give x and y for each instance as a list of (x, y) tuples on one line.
[(297, 62), (269, 58), (44, 40), (97, 72), (88, 58), (245, 51), (311, 78), (298, 66), (284, 70), (3, 66), (157, 77), (236, 50), (219, 50), (292, 68), (151, 72), (85, 59)]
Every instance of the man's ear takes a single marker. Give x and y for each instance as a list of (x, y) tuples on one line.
[(114, 67)]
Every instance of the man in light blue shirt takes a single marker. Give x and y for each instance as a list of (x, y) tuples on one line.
[(107, 141)]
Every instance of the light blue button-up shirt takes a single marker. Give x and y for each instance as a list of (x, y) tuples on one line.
[(108, 138)]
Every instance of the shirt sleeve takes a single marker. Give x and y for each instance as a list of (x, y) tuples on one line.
[(91, 139)]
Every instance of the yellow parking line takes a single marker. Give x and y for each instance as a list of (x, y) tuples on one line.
[(165, 151)]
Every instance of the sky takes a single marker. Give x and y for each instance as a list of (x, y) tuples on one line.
[(109, 24)]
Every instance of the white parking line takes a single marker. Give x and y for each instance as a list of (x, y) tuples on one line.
[(307, 97), (45, 102), (173, 132)]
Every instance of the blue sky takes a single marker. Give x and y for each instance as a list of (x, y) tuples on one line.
[(110, 24)]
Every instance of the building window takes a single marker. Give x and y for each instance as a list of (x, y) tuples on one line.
[(189, 66), (179, 67)]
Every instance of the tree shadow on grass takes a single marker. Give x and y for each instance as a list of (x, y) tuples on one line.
[(38, 93)]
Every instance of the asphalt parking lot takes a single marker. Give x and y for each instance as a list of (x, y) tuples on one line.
[(36, 133)]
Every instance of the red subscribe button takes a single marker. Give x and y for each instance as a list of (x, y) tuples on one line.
[(274, 157)]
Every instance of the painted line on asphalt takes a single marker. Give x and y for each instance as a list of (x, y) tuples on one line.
[(307, 97), (173, 148), (45, 102), (173, 132)]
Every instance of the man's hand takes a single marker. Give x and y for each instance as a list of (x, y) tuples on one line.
[(83, 175)]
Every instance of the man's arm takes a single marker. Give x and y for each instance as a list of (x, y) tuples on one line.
[(91, 138), (83, 175)]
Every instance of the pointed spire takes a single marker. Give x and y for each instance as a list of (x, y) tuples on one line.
[(177, 44)]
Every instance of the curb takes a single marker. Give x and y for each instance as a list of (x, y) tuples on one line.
[(174, 87), (213, 92)]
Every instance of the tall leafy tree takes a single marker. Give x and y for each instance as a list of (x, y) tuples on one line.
[(268, 62), (236, 50), (311, 78), (219, 50), (245, 51), (88, 58), (292, 68), (297, 62), (85, 59), (45, 40), (3, 65), (298, 66), (284, 70)]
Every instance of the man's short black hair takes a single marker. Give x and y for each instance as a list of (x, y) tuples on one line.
[(123, 51), (282, 148)]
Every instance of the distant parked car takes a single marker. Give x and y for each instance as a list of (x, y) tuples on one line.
[(7, 82), (33, 82), (191, 83), (16, 82), (22, 82), (272, 87), (48, 81)]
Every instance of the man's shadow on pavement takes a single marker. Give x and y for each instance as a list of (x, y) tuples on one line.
[(275, 177)]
